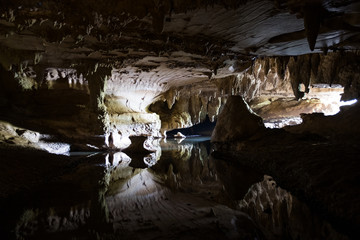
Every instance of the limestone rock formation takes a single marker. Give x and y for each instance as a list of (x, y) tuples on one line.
[(103, 76), (104, 71), (236, 122)]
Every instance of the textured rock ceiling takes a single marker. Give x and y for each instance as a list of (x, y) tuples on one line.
[(206, 27), (118, 59)]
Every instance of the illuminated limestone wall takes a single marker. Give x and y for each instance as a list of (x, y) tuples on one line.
[(111, 66), (151, 96)]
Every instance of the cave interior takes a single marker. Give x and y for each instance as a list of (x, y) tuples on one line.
[(179, 119)]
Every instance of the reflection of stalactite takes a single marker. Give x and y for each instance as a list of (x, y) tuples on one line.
[(111, 141), (281, 215), (171, 180), (99, 213), (236, 178), (111, 158), (186, 166)]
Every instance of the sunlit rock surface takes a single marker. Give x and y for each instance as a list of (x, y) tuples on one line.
[(341, 125), (13, 136)]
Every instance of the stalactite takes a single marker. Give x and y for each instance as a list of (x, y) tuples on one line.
[(97, 86), (170, 97), (312, 20), (295, 78)]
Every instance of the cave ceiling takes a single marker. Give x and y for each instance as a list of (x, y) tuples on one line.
[(188, 39)]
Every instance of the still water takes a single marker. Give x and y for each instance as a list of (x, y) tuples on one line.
[(176, 192)]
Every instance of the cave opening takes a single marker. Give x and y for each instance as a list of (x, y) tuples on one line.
[(279, 112)]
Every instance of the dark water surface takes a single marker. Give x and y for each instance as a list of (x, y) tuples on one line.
[(176, 192)]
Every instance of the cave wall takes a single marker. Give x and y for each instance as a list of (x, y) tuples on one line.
[(271, 77), (111, 66), (98, 99)]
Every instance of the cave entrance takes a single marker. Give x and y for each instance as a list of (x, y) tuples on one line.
[(278, 112)]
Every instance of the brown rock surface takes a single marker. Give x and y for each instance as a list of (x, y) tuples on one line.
[(236, 122)]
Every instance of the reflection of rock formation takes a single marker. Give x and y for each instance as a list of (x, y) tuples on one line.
[(187, 166), (74, 200), (137, 203), (282, 216), (237, 178), (279, 214), (181, 193), (144, 206), (114, 159), (179, 135), (144, 151)]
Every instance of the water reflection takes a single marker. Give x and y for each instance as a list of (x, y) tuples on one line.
[(113, 159), (176, 190)]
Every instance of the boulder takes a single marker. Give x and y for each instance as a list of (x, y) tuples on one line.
[(236, 122)]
